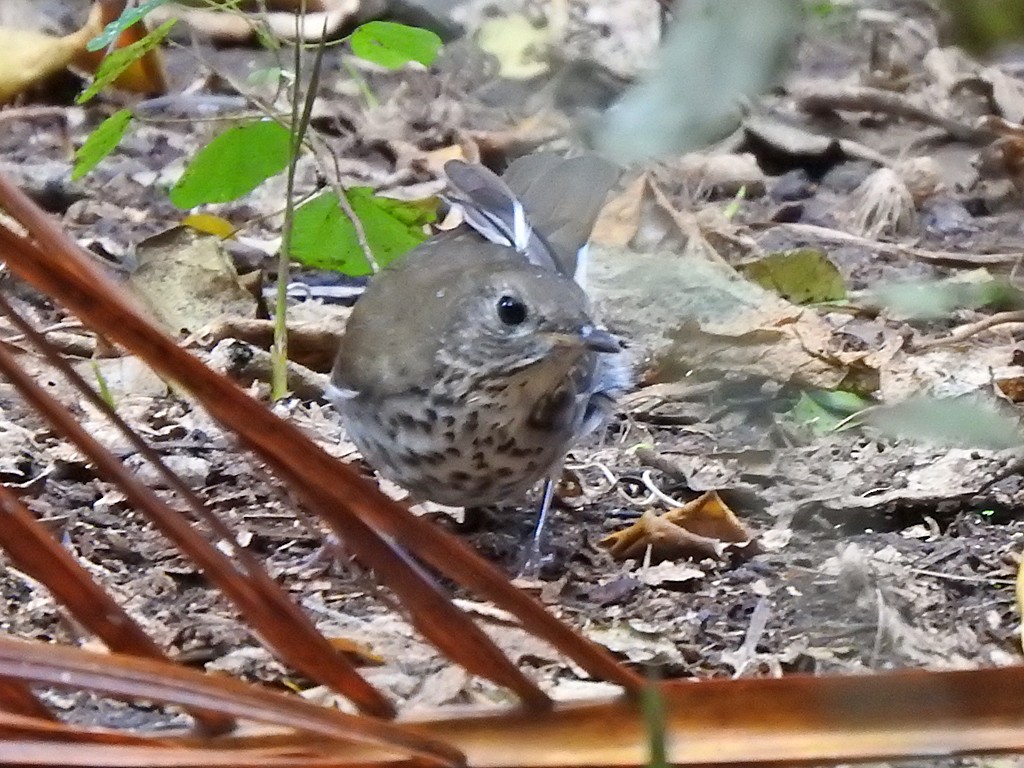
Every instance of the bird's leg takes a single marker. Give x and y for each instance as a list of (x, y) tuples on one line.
[(530, 566)]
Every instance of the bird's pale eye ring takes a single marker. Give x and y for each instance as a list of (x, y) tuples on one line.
[(511, 311)]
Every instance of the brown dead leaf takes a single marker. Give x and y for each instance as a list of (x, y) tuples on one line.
[(1004, 159), (522, 138), (1010, 382), (312, 342), (28, 57), (359, 653), (619, 219), (703, 528), (144, 75), (186, 280)]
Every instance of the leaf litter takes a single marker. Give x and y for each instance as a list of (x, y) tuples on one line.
[(913, 536)]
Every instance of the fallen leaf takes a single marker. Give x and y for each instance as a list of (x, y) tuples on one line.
[(619, 219), (28, 57), (703, 528), (802, 276), (357, 652), (209, 224), (1010, 382), (145, 74), (187, 280), (670, 575)]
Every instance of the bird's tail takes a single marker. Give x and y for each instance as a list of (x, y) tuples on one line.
[(544, 205)]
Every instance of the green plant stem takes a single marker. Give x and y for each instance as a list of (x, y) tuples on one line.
[(299, 124), (279, 352)]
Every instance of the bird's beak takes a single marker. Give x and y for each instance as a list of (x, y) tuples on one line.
[(599, 339), (588, 337)]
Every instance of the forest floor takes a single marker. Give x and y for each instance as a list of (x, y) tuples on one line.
[(871, 547)]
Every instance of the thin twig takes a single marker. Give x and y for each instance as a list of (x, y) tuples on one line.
[(968, 579), (970, 329), (946, 258)]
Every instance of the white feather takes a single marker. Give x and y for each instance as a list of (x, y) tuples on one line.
[(582, 259), (336, 394), (521, 229)]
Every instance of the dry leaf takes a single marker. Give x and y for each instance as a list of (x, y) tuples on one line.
[(187, 280), (359, 653), (144, 75), (28, 57), (209, 224), (690, 311), (703, 528), (619, 219)]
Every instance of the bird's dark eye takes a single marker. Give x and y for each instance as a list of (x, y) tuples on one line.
[(511, 310)]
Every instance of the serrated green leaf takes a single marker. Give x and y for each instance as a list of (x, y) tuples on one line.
[(324, 238), (101, 142), (802, 276), (394, 45), (128, 17), (118, 61), (233, 164)]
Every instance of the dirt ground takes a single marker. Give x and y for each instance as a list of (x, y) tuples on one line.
[(873, 550)]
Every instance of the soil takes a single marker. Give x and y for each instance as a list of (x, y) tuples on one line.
[(876, 551)]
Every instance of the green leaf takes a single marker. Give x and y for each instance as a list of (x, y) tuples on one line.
[(102, 386), (394, 45), (324, 238), (101, 142), (233, 164), (824, 411), (128, 17), (802, 276), (118, 61)]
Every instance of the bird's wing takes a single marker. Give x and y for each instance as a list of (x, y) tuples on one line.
[(492, 209)]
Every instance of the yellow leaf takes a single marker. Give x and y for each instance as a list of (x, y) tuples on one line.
[(28, 57), (209, 224)]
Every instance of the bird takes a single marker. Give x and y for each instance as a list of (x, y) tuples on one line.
[(472, 364)]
